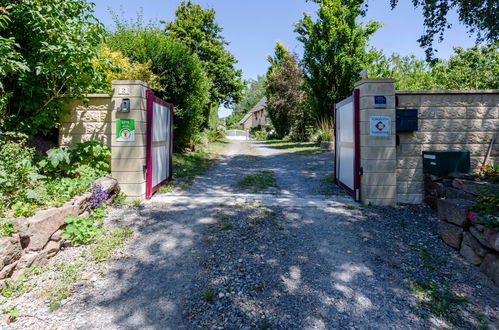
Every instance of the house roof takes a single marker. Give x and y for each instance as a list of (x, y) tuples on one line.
[(259, 106)]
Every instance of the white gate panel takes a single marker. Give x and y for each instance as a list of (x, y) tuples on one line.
[(346, 145), (159, 121)]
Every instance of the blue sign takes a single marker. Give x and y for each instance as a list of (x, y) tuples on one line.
[(380, 101)]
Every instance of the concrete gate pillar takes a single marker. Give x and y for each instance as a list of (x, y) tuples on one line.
[(129, 136), (378, 161)]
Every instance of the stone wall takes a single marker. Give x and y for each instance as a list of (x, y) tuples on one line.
[(38, 238), (96, 120), (87, 121), (458, 227), (448, 120)]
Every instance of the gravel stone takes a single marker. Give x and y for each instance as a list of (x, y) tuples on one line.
[(295, 257)]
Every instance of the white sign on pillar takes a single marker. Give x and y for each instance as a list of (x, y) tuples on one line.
[(380, 125)]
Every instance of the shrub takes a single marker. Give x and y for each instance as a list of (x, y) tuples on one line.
[(65, 174), (80, 230), (325, 131), (6, 227), (487, 205), (181, 75), (49, 60), (117, 66), (18, 173), (490, 173)]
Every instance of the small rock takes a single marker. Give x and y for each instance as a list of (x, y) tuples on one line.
[(469, 254), (451, 234), (478, 248), (492, 237), (454, 211), (490, 266)]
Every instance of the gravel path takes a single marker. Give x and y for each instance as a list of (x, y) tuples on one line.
[(297, 256)]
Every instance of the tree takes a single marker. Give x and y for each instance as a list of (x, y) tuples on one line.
[(284, 93), (473, 68), (479, 16), (253, 92), (47, 49), (409, 72), (334, 53), (197, 28), (182, 78)]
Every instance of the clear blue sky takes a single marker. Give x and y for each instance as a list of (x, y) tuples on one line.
[(253, 27)]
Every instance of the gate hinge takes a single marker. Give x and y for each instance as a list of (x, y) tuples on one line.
[(361, 171)]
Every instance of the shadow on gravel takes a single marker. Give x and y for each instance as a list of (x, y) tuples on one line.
[(288, 267)]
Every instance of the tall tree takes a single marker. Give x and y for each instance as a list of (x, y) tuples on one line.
[(334, 52), (479, 16), (283, 90), (197, 28)]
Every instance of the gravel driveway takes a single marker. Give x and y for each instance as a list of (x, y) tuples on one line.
[(300, 255)]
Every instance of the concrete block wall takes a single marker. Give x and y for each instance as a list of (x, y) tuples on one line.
[(97, 121), (378, 183), (448, 120), (128, 162), (86, 122)]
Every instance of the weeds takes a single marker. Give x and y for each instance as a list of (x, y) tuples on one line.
[(105, 247), (226, 226), (437, 298), (69, 273), (258, 182), (209, 295), (12, 313), (327, 186)]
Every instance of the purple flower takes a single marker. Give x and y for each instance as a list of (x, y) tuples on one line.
[(98, 196)]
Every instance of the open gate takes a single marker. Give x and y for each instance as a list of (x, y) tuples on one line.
[(159, 143), (346, 144)]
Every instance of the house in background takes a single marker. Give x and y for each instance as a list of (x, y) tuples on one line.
[(257, 116)]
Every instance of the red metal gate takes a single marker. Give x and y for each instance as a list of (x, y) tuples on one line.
[(346, 145), (159, 143)]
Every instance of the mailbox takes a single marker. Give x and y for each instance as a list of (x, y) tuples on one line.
[(407, 120), (443, 163)]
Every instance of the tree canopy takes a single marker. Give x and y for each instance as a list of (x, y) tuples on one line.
[(334, 52), (197, 28), (473, 68), (181, 75), (284, 93), (47, 49), (479, 16)]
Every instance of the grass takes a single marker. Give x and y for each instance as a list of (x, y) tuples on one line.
[(327, 187), (209, 295), (187, 166), (107, 245), (259, 181), (437, 298), (68, 273), (292, 146)]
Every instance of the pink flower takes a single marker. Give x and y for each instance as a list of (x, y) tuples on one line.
[(472, 215)]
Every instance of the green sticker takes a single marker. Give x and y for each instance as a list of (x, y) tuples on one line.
[(125, 130)]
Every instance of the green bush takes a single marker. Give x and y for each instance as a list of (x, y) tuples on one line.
[(49, 49), (181, 74), (6, 227), (80, 230), (18, 173), (29, 179)]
